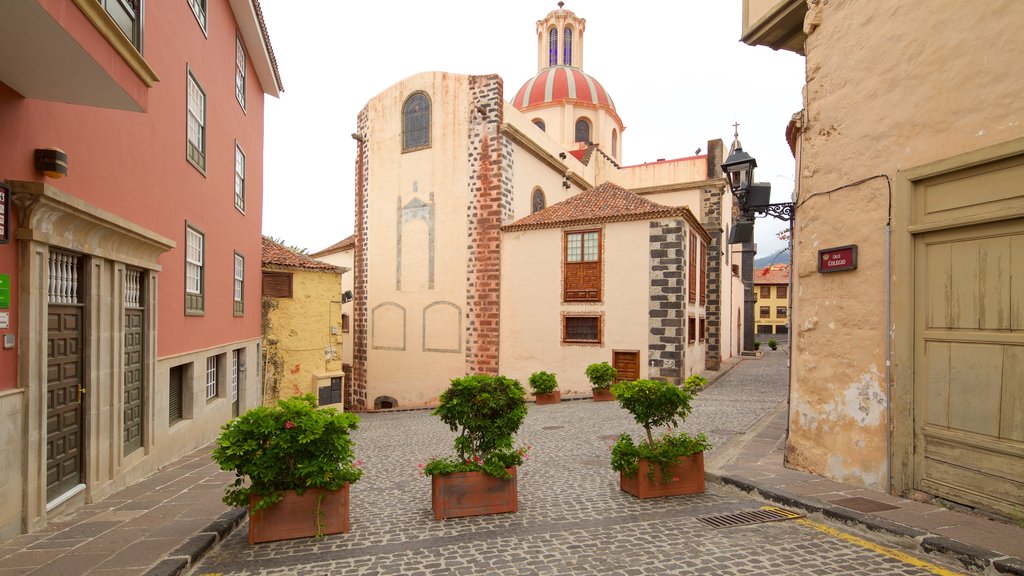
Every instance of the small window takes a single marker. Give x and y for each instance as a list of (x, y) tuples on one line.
[(692, 267), (194, 271), (239, 292), (581, 329), (553, 47), (539, 123), (766, 291), (615, 143), (766, 311), (583, 130), (781, 291), (212, 383), (176, 395), (277, 284), (416, 122), (702, 288), (126, 16), (195, 124), (538, 202), (330, 394), (199, 9), (691, 329), (239, 178), (581, 271), (703, 330), (240, 73), (780, 311), (345, 323), (567, 47)]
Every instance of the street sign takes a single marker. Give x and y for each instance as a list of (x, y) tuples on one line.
[(838, 259)]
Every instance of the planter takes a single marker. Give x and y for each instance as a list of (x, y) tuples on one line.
[(687, 477), (603, 395), (549, 398), (297, 516), (473, 494)]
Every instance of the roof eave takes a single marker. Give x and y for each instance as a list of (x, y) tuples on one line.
[(261, 53)]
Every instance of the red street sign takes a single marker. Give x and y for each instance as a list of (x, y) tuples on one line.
[(838, 259)]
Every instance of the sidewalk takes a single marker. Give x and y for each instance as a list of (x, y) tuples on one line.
[(753, 464)]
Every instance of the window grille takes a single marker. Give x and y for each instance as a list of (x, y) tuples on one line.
[(133, 288), (62, 285)]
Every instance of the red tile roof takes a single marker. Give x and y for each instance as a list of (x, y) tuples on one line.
[(346, 244), (275, 254), (774, 274), (266, 38), (604, 203)]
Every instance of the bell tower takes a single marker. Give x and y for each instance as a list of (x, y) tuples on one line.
[(560, 39)]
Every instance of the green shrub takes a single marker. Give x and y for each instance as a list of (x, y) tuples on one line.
[(543, 383), (486, 411), (757, 345), (773, 344), (601, 375), (292, 446)]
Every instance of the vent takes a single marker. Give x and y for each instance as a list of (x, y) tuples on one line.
[(765, 514)]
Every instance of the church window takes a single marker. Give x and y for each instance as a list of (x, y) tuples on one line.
[(615, 143), (416, 122), (553, 47), (583, 130), (538, 202), (567, 47), (582, 266), (539, 123)]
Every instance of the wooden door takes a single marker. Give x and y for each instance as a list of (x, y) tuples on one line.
[(969, 365), (627, 364), (237, 369), (133, 382), (65, 390)]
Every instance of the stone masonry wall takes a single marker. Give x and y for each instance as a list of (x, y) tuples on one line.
[(711, 218), (667, 314), (355, 391), (489, 206)]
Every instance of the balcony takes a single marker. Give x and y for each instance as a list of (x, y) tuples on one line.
[(73, 52), (778, 24)]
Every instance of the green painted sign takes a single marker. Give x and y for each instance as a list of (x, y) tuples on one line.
[(5, 290)]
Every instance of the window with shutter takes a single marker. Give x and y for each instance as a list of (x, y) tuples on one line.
[(766, 291), (781, 291), (581, 329), (582, 266), (176, 412), (703, 274), (277, 284), (693, 268)]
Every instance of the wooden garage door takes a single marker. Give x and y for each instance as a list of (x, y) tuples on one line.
[(969, 365)]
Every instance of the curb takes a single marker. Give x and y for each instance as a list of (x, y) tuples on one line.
[(186, 555), (971, 557)]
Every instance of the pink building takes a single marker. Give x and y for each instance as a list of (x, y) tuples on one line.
[(129, 287)]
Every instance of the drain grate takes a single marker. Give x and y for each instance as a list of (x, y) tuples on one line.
[(552, 427), (765, 514)]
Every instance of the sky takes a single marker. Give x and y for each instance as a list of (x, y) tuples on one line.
[(676, 70)]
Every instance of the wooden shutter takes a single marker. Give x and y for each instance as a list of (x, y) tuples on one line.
[(582, 276), (277, 284), (693, 267), (175, 410), (703, 274)]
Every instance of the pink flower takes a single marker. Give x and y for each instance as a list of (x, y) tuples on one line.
[(289, 425), (359, 463)]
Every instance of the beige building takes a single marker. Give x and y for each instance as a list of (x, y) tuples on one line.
[(771, 288), (451, 180), (302, 326), (340, 255), (908, 371)]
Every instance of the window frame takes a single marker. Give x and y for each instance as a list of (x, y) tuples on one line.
[(406, 147), (241, 72), (238, 285), (576, 130), (764, 312), (537, 190), (346, 323), (567, 46), (200, 9), (764, 292), (782, 291), (781, 312), (137, 15), (553, 46), (598, 290), (599, 318), (239, 179), (212, 379), (691, 330), (539, 123), (279, 274), (195, 153), (692, 268), (195, 298)]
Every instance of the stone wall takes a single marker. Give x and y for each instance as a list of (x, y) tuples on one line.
[(711, 218), (356, 391), (666, 319)]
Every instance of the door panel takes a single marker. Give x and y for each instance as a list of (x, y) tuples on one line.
[(627, 364), (133, 383), (64, 393)]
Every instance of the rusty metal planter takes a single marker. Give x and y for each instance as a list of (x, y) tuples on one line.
[(603, 395), (473, 494), (298, 516), (549, 398), (686, 477)]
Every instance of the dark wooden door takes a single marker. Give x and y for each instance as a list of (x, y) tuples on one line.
[(65, 391), (237, 371), (627, 364), (133, 388)]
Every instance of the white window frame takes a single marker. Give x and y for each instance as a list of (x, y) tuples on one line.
[(194, 258), (234, 375), (239, 281), (195, 123), (211, 377), (199, 9), (240, 72), (239, 178)]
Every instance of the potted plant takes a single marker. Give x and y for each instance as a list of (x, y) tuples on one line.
[(545, 388), (672, 463), (773, 344), (293, 464), (486, 411), (601, 376)]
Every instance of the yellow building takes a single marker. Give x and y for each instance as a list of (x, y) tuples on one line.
[(302, 326), (908, 365), (771, 288)]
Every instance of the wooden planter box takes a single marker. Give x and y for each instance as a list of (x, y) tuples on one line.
[(687, 477), (549, 398), (473, 494), (296, 516), (603, 395)]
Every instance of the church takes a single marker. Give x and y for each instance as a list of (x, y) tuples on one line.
[(500, 232)]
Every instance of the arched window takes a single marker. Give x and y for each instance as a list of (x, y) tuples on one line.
[(583, 130), (538, 123), (539, 202), (615, 143), (416, 122), (567, 46), (553, 47)]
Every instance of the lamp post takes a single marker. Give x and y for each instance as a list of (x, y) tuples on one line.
[(754, 200)]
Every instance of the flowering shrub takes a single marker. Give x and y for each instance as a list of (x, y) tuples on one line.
[(653, 403), (486, 411), (291, 446), (543, 382)]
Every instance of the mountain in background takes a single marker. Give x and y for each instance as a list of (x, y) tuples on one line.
[(780, 257)]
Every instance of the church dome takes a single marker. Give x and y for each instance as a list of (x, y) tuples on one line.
[(561, 83)]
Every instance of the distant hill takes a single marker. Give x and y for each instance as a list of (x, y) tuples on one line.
[(780, 257)]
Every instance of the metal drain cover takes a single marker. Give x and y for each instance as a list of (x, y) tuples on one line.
[(765, 514), (552, 427)]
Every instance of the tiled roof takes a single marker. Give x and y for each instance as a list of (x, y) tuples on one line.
[(346, 244), (774, 274), (266, 39), (605, 203), (275, 254)]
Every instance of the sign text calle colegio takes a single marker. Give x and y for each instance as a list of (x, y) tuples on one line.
[(838, 259)]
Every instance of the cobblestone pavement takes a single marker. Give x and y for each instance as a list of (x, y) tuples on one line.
[(572, 517)]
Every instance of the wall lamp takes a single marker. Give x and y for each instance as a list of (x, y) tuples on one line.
[(754, 198), (52, 162)]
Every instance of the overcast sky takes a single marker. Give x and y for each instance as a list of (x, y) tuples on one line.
[(676, 70)]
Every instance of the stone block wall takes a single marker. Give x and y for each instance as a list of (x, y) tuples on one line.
[(666, 338), (711, 218), (356, 391)]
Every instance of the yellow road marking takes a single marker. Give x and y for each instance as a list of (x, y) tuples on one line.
[(885, 550)]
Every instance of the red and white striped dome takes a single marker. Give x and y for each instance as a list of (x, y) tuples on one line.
[(558, 83)]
